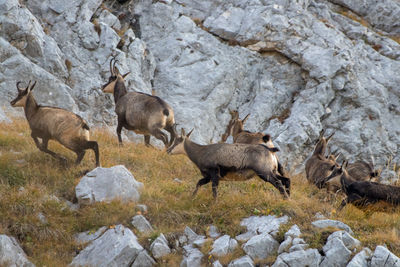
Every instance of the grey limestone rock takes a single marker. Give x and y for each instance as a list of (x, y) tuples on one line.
[(244, 261), (261, 246), (141, 224), (223, 245), (384, 258), (160, 247), (309, 257), (11, 254)]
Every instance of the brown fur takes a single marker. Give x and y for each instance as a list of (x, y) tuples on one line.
[(51, 123), (231, 162), (318, 167), (142, 113)]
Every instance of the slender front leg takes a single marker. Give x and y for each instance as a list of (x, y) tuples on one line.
[(201, 182), (147, 140), (43, 147), (119, 129)]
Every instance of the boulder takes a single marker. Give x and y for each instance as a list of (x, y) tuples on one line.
[(293, 232), (159, 247), (244, 261), (361, 259), (336, 253), (213, 231), (116, 247), (143, 260), (223, 245), (384, 258), (261, 246), (191, 257), (264, 224), (299, 258), (217, 264), (332, 223), (107, 184), (285, 245), (88, 236), (142, 224), (11, 254), (191, 236)]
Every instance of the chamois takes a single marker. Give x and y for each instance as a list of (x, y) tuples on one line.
[(142, 113), (231, 162), (318, 167), (51, 123), (236, 129), (358, 171), (362, 193)]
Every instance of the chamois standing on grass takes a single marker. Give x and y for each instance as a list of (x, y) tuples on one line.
[(362, 193), (51, 123), (238, 162), (142, 113), (318, 167), (236, 129)]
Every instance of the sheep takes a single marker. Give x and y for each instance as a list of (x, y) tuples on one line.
[(51, 123), (142, 113), (236, 129), (362, 193), (238, 162), (318, 167)]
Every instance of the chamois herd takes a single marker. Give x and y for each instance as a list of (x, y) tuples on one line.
[(251, 154)]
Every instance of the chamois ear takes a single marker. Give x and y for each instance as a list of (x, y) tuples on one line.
[(126, 74), (245, 118), (182, 132), (344, 164), (188, 135), (321, 133), (329, 137)]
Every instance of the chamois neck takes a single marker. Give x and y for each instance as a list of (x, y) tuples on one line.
[(192, 150), (119, 89), (31, 106)]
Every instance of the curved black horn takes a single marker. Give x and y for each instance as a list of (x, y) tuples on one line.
[(33, 85), (28, 85), (19, 89)]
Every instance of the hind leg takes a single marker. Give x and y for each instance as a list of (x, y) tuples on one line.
[(280, 169), (119, 129), (276, 183), (147, 140), (203, 181), (157, 133), (286, 182)]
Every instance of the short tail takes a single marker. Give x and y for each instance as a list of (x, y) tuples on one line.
[(85, 126), (166, 112), (345, 183), (266, 138), (374, 174)]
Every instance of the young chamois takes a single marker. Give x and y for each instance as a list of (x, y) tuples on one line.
[(142, 113), (318, 167), (357, 171), (236, 129), (238, 162), (50, 123), (362, 193)]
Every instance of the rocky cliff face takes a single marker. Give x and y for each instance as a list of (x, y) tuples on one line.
[(296, 66)]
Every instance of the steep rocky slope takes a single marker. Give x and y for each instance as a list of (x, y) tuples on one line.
[(296, 66)]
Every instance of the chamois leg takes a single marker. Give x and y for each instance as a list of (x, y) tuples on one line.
[(119, 129), (203, 181), (286, 182), (147, 140), (43, 147), (170, 129), (157, 133), (95, 147), (280, 169), (215, 182), (276, 183), (80, 155)]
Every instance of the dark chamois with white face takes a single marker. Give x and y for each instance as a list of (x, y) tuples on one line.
[(231, 162), (142, 113), (318, 166), (51, 123), (362, 193), (236, 129)]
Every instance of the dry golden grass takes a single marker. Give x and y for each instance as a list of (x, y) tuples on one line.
[(171, 206)]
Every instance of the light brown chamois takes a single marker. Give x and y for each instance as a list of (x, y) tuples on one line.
[(142, 113), (231, 162), (236, 129), (318, 166), (51, 123)]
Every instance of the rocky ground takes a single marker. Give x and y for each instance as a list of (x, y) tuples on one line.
[(117, 245), (297, 67)]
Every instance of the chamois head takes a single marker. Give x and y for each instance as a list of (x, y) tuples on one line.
[(322, 143), (177, 147), (115, 75), (338, 171), (235, 125), (22, 96)]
